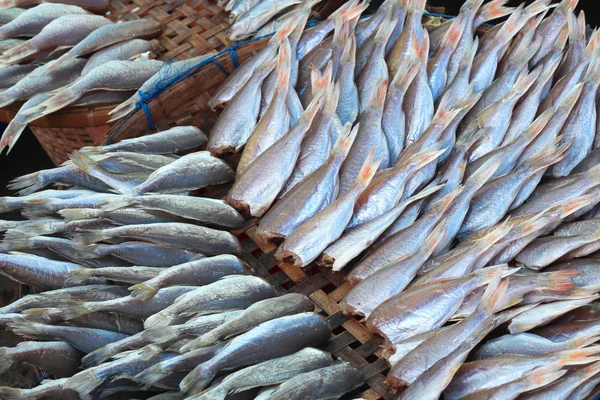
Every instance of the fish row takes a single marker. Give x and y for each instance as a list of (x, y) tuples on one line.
[(424, 160), (55, 55)]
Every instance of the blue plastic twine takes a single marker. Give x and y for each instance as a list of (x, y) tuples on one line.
[(168, 81)]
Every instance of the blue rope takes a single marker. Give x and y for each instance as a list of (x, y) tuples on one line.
[(169, 81)]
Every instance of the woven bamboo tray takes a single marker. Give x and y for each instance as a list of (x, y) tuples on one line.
[(351, 341)]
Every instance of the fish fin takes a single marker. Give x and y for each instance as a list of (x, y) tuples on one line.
[(59, 101), (84, 382), (561, 40), (39, 314), (485, 275), (284, 63), (494, 293), (151, 375), (11, 135), (492, 10), (117, 202), (87, 237), (144, 290), (160, 319), (344, 142), (367, 171), (445, 201), (27, 184), (581, 26), (198, 378), (354, 10), (78, 275), (7, 361), (76, 214), (542, 376), (570, 5)]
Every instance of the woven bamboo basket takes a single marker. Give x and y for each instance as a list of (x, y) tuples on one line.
[(190, 28)]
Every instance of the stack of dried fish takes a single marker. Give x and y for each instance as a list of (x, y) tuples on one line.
[(427, 159), (192, 308), (54, 55), (260, 17)]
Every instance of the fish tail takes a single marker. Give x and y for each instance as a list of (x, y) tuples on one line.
[(76, 214), (58, 101), (583, 341), (561, 40), (570, 5), (15, 240), (485, 275), (27, 184), (76, 309), (6, 361), (8, 393), (349, 53), (525, 80), (571, 206), (483, 174), (578, 356), (27, 329), (435, 237), (52, 65), (386, 28), (542, 376), (536, 127), (378, 98), (19, 53), (454, 34), (321, 80), (445, 201), (284, 63), (159, 335), (144, 290), (313, 108), (559, 281), (84, 382), (198, 378), (345, 140), (354, 10), (368, 170), (78, 275), (492, 10), (125, 108), (151, 375), (581, 26), (6, 100), (494, 293), (160, 319), (97, 356), (87, 237), (405, 75), (425, 157), (11, 135), (332, 99), (548, 156), (571, 98), (285, 29), (419, 49), (496, 234)]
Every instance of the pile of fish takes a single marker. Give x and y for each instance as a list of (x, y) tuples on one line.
[(256, 18), (55, 55), (454, 177), (182, 307)]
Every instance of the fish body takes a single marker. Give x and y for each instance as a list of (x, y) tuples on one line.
[(292, 333), (228, 294), (60, 358), (31, 22)]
